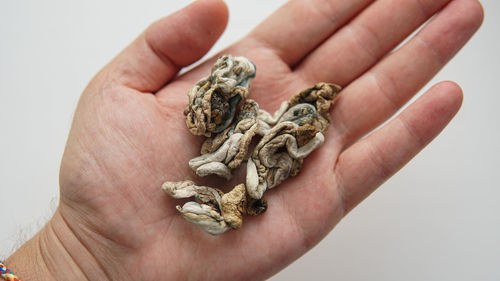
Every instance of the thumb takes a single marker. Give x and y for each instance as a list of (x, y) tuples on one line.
[(169, 44)]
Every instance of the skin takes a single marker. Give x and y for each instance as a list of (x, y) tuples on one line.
[(114, 223)]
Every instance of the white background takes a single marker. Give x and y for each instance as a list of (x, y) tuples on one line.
[(438, 219)]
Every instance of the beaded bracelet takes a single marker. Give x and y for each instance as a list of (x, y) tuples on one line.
[(7, 274)]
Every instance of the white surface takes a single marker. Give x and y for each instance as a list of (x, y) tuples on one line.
[(438, 219)]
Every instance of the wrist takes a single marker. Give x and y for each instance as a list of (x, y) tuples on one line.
[(27, 262), (54, 253)]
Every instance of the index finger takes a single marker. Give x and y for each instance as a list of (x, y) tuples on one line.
[(299, 26)]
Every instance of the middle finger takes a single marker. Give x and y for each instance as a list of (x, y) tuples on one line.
[(363, 41)]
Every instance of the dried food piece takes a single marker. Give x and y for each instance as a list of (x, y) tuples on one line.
[(288, 136), (206, 217), (233, 206), (276, 157), (213, 210), (226, 150), (205, 212), (298, 130), (321, 96), (256, 206), (187, 188), (213, 100)]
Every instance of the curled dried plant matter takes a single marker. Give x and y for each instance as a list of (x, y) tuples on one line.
[(213, 210), (226, 150), (213, 100), (288, 136), (291, 134)]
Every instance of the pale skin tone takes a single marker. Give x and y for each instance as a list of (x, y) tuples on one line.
[(114, 223)]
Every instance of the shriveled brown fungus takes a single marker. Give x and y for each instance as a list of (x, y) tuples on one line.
[(212, 210), (293, 132), (213, 100), (288, 136), (226, 150)]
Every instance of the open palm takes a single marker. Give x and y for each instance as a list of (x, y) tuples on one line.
[(129, 133)]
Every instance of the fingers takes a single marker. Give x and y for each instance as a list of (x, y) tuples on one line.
[(362, 42), (379, 93), (168, 45), (367, 164), (299, 26)]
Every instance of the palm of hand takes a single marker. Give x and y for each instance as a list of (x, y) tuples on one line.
[(125, 142), (146, 142)]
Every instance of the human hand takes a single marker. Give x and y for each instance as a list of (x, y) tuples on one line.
[(113, 220)]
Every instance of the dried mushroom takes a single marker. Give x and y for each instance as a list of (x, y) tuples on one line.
[(227, 149), (293, 132), (213, 210), (213, 100), (286, 137)]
